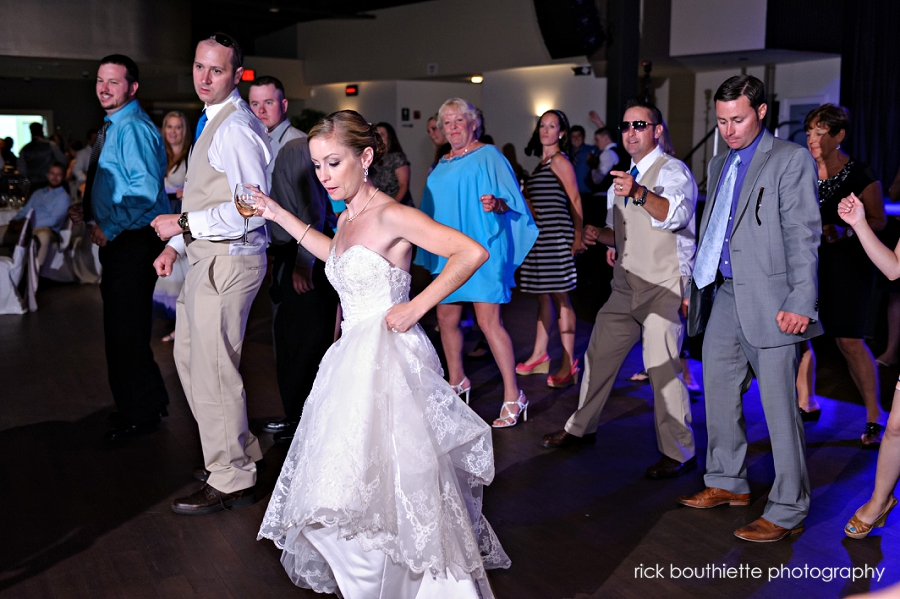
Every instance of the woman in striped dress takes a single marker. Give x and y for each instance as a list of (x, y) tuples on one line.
[(549, 268)]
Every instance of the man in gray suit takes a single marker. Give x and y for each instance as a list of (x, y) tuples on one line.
[(755, 292)]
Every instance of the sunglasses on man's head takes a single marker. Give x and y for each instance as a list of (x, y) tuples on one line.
[(222, 39), (638, 125)]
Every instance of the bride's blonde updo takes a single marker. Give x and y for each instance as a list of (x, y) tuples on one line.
[(352, 131)]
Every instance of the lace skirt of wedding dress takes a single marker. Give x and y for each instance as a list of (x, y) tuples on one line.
[(386, 459)]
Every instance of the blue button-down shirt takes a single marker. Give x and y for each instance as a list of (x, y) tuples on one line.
[(129, 189), (50, 205), (746, 155)]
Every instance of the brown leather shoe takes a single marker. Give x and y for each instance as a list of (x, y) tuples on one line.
[(669, 468), (564, 439), (209, 499), (763, 531), (713, 496)]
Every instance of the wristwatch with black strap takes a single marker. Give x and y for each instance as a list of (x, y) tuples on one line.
[(183, 222), (641, 200)]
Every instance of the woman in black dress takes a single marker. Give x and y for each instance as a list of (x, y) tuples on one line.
[(846, 274), (549, 269)]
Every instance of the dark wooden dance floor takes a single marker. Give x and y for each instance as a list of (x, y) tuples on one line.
[(81, 519)]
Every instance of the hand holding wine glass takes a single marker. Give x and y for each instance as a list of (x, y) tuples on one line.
[(245, 201), (266, 207)]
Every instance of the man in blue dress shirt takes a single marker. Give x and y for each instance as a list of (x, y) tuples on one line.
[(123, 193), (50, 205)]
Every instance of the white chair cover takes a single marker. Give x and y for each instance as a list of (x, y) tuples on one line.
[(14, 297)]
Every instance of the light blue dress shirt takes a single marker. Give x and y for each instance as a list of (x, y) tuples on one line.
[(129, 189), (50, 207)]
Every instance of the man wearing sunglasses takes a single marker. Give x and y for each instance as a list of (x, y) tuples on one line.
[(754, 293), (230, 147), (650, 233)]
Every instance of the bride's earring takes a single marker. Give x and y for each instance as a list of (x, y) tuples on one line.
[(366, 174)]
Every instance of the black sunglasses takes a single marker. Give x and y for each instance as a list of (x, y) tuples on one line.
[(222, 39), (638, 125)]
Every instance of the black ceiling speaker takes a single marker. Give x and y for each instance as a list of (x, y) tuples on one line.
[(569, 27)]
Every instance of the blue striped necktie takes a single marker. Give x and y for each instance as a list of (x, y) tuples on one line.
[(711, 248)]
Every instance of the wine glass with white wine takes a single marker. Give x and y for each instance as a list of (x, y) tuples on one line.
[(246, 206)]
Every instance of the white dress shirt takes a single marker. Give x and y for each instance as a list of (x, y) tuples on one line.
[(675, 183), (240, 149)]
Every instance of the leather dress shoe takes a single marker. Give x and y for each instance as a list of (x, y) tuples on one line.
[(564, 439), (763, 531), (277, 426), (209, 499), (121, 431), (713, 496), (670, 468)]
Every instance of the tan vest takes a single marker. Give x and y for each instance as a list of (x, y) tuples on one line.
[(205, 188), (646, 255)]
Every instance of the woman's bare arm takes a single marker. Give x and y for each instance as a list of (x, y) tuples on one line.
[(464, 256)]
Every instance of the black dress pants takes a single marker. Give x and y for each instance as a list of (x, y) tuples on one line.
[(302, 327), (127, 290)]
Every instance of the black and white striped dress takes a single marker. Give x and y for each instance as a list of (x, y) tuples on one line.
[(549, 266)]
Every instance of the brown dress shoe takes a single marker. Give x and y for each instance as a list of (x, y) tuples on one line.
[(564, 439), (670, 468), (209, 499), (763, 531), (713, 496)]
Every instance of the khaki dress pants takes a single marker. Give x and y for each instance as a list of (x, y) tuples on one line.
[(637, 309), (211, 317)]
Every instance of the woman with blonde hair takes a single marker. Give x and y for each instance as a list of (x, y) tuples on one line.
[(175, 132), (380, 494), (473, 189)]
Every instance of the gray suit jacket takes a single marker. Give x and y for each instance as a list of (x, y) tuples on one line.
[(774, 259)]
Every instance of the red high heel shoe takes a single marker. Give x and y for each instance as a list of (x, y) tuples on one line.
[(539, 366), (565, 381)]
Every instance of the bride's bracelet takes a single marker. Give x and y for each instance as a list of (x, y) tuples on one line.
[(305, 231)]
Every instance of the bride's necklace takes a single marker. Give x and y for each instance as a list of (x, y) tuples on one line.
[(355, 216)]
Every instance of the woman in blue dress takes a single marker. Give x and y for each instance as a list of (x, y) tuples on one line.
[(473, 189)]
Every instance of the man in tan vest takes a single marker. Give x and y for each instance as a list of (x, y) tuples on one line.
[(230, 147), (650, 224)]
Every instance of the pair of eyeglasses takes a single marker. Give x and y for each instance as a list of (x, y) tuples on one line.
[(222, 39), (638, 125)]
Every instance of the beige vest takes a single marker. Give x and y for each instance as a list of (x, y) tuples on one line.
[(205, 188), (646, 255)]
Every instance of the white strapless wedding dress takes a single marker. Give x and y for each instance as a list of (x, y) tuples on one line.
[(380, 493)]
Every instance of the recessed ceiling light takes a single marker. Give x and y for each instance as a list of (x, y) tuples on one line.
[(477, 79)]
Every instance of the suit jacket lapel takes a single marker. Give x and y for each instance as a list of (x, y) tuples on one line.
[(716, 172), (760, 157)]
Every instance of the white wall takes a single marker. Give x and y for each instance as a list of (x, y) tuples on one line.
[(145, 30), (513, 99), (384, 100), (713, 26), (461, 36)]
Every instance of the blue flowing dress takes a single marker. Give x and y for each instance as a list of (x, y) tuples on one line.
[(452, 197)]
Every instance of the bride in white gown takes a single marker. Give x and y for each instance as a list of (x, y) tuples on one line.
[(380, 494)]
